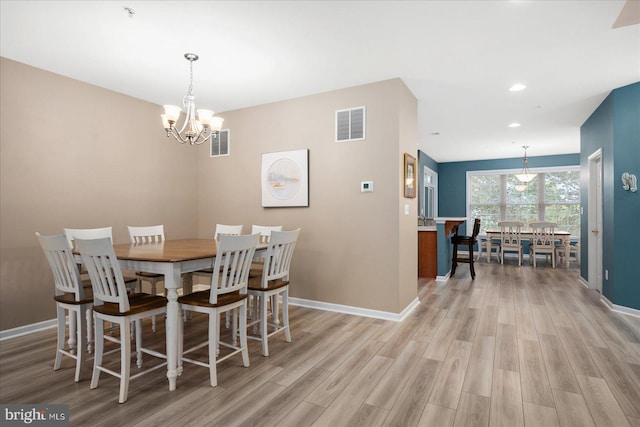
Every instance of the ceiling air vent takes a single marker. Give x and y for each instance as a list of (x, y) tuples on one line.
[(350, 124), (220, 145)]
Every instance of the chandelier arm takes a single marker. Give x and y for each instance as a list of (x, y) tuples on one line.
[(197, 141), (177, 136)]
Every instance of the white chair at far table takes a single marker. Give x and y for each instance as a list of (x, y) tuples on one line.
[(543, 240), (273, 283), (70, 295), (144, 235), (511, 239), (482, 247), (228, 293), (574, 252), (112, 303)]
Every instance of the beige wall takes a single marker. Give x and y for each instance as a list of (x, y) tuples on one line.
[(355, 249), (75, 155)]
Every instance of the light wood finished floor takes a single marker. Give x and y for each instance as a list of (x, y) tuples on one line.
[(517, 346)]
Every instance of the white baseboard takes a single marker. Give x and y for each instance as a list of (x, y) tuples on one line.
[(356, 311), (619, 308), (584, 283), (27, 329), (443, 278)]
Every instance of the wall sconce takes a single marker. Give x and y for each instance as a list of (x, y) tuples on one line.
[(629, 182)]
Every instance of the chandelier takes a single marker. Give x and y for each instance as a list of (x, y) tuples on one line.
[(525, 175), (199, 126)]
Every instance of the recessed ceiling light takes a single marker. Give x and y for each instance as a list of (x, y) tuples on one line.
[(514, 125), (517, 87)]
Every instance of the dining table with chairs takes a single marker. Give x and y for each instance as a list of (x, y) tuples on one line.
[(171, 258), (265, 256), (563, 238)]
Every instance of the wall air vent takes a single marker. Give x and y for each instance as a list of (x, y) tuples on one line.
[(221, 145), (350, 124)]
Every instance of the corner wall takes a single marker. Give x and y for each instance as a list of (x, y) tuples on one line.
[(355, 249), (76, 155), (615, 127)]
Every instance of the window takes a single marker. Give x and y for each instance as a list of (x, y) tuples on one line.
[(554, 195)]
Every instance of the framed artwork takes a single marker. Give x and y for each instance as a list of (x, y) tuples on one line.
[(409, 176), (285, 179)]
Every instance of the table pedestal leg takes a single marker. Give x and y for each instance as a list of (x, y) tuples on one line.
[(567, 248), (173, 313)]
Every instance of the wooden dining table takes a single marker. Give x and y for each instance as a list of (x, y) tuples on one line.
[(564, 237), (172, 258)]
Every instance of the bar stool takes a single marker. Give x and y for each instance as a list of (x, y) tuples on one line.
[(469, 241)]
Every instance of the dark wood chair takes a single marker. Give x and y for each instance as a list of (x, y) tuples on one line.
[(470, 241)]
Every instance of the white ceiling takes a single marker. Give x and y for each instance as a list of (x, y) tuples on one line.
[(457, 57)]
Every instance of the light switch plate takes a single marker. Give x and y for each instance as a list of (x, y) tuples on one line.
[(366, 186)]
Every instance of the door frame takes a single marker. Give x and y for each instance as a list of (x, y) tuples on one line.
[(594, 221)]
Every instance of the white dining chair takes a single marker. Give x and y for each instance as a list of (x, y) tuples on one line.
[(96, 233), (227, 230), (221, 230), (227, 294), (272, 284), (148, 235), (511, 239), (265, 231), (70, 297), (543, 240), (112, 303)]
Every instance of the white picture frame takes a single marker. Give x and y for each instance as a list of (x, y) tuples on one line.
[(285, 179)]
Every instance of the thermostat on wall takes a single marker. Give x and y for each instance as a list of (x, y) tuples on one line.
[(366, 186)]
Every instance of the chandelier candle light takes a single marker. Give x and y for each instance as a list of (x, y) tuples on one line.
[(525, 176), (196, 129)]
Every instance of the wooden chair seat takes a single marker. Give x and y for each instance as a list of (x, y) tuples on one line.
[(69, 298), (138, 303), (255, 284), (201, 299), (148, 275)]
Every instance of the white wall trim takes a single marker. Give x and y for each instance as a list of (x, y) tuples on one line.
[(356, 311), (584, 282), (443, 278), (345, 309), (619, 308), (27, 329)]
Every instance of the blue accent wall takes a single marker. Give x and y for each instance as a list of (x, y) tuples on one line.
[(615, 128), (452, 178)]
